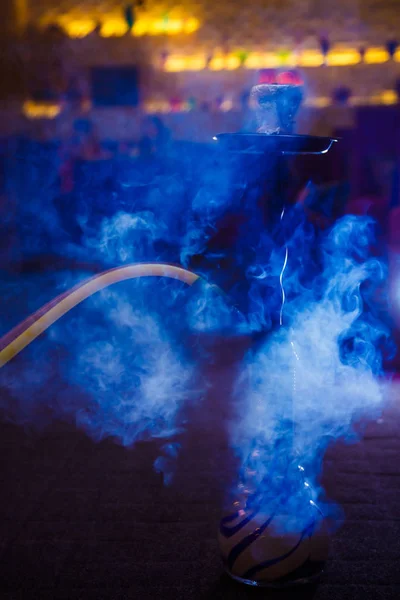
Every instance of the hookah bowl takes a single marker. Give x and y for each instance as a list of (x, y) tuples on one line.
[(274, 541), (268, 540)]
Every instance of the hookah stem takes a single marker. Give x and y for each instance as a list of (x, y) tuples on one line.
[(290, 415)]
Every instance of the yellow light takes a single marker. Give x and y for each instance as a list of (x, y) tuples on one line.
[(21, 12), (141, 27), (116, 26), (40, 110), (174, 26), (164, 27), (287, 59), (78, 28), (191, 25), (195, 63), (254, 61), (175, 64), (257, 60), (270, 60), (217, 63), (113, 27), (232, 61), (157, 27), (376, 56), (389, 97), (310, 58), (341, 58), (265, 60), (397, 55)]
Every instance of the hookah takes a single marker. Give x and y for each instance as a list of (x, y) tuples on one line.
[(258, 544), (272, 533)]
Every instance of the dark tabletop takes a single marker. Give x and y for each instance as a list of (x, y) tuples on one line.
[(93, 520)]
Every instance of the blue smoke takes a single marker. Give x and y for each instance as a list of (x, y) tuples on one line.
[(126, 238), (310, 382), (120, 365), (133, 373), (114, 366)]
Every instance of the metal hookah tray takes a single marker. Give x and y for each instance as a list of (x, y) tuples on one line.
[(263, 143)]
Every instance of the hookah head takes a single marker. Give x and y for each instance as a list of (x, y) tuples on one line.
[(274, 108), (264, 168)]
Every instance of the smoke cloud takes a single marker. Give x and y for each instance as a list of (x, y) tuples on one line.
[(119, 364), (312, 381)]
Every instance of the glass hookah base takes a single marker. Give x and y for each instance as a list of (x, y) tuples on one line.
[(307, 574)]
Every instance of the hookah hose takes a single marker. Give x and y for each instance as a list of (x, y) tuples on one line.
[(13, 342)]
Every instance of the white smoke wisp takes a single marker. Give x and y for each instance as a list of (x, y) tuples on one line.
[(115, 366), (311, 382), (133, 372), (127, 237)]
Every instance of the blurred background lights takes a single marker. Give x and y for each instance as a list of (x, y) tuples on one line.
[(40, 110), (114, 27), (342, 57), (376, 55), (77, 28)]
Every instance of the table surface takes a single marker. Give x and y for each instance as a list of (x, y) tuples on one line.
[(93, 520)]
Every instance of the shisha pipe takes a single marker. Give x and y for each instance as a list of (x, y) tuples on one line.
[(261, 542), (13, 342)]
